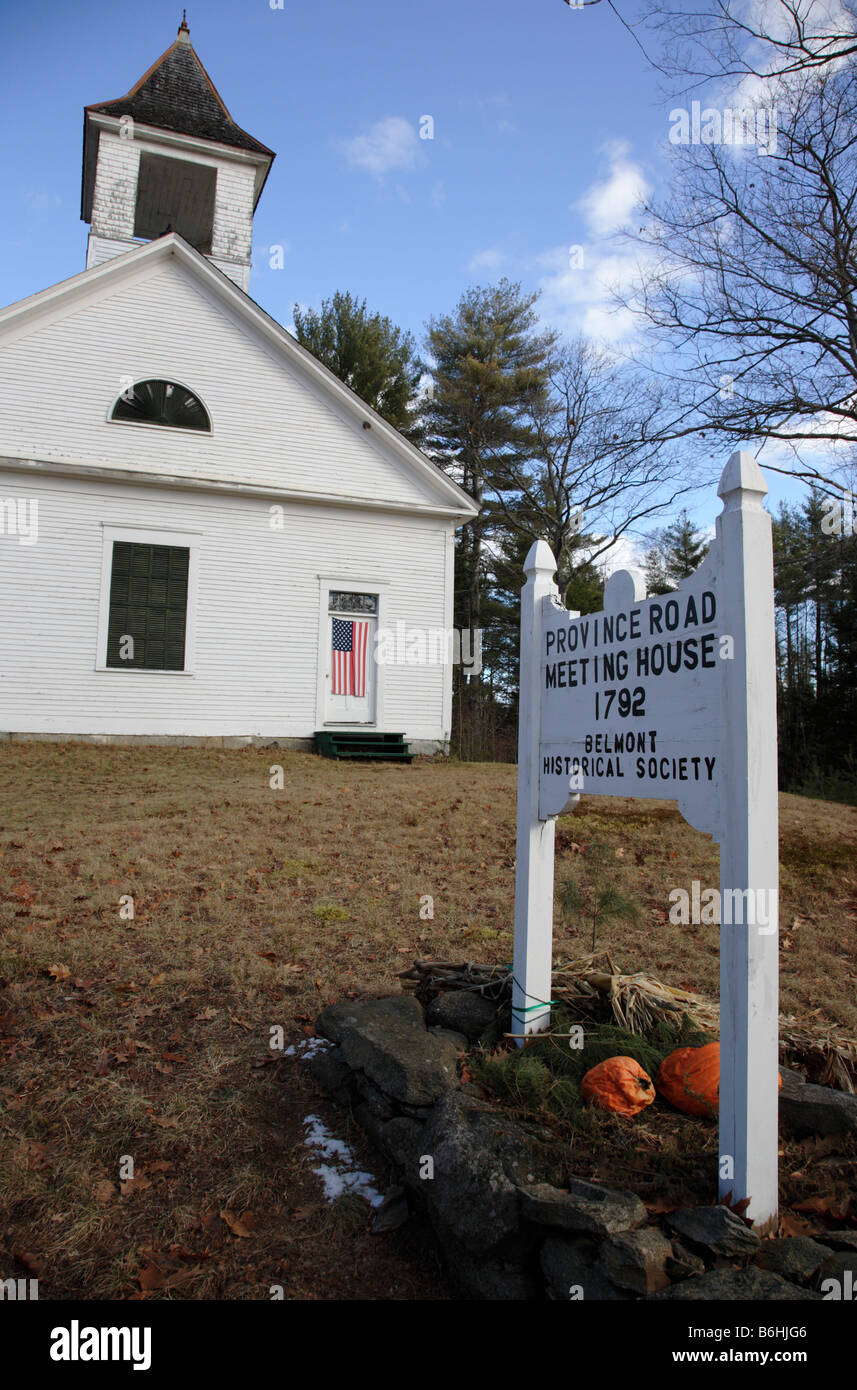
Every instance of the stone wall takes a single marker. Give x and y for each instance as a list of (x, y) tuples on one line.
[(510, 1224)]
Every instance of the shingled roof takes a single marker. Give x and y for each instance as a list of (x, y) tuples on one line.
[(178, 94), (175, 94)]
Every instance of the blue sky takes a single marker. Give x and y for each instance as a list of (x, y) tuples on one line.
[(546, 123)]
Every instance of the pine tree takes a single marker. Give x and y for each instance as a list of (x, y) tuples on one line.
[(676, 554), (490, 368), (366, 351)]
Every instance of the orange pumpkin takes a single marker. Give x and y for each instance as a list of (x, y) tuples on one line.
[(690, 1079), (618, 1084)]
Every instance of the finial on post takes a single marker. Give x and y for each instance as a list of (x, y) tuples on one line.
[(540, 560), (183, 29), (742, 475)]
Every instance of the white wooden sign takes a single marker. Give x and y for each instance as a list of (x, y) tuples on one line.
[(671, 697)]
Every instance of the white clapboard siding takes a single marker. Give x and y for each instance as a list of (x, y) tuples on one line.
[(62, 369), (257, 610)]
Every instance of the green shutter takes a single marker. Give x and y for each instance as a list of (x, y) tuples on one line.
[(148, 602)]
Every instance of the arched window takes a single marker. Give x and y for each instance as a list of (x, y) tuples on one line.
[(162, 403)]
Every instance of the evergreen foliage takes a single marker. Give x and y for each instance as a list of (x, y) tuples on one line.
[(366, 351)]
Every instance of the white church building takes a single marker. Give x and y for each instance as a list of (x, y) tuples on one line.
[(202, 530)]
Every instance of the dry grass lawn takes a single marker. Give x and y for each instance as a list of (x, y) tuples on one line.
[(253, 907)]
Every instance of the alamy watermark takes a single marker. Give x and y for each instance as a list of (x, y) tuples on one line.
[(753, 907), (19, 516), (838, 518), (429, 646), (751, 125)]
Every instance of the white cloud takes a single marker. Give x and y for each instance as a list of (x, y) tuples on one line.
[(392, 143), (491, 258), (579, 299), (579, 280), (626, 553), (608, 203)]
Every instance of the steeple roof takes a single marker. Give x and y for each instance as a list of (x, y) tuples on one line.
[(177, 94)]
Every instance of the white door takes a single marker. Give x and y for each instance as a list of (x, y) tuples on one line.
[(351, 677)]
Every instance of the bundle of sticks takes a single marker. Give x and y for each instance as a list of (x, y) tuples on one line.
[(592, 988)]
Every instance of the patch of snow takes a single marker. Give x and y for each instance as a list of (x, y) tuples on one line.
[(338, 1176), (307, 1048)]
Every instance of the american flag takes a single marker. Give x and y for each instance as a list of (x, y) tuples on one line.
[(350, 641)]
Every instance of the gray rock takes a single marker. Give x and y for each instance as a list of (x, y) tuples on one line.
[(387, 1039), (736, 1285), (810, 1109), (838, 1240), (843, 1268), (462, 1011), (401, 1140), (417, 1112), (329, 1071), (585, 1207), (478, 1156), (504, 1277), (371, 1124), (392, 1213), (452, 1036), (794, 1257), (376, 1100), (570, 1265), (683, 1262), (716, 1229), (332, 1021), (636, 1260), (791, 1079)]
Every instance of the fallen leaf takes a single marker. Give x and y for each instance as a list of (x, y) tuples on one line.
[(827, 1205), (59, 972), (39, 1156), (791, 1225), (159, 1165), (235, 1223), (102, 1064), (151, 1278), (138, 1183), (159, 978), (207, 1014), (104, 1191), (32, 1263)]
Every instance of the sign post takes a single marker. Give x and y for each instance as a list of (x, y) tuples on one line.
[(671, 697)]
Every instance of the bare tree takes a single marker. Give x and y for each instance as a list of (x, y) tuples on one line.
[(733, 39), (750, 277), (600, 459)]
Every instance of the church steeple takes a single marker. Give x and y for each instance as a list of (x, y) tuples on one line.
[(169, 156)]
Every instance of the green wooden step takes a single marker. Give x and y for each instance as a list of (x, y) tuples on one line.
[(356, 743)]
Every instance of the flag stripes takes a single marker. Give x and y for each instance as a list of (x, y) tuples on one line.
[(350, 642)]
